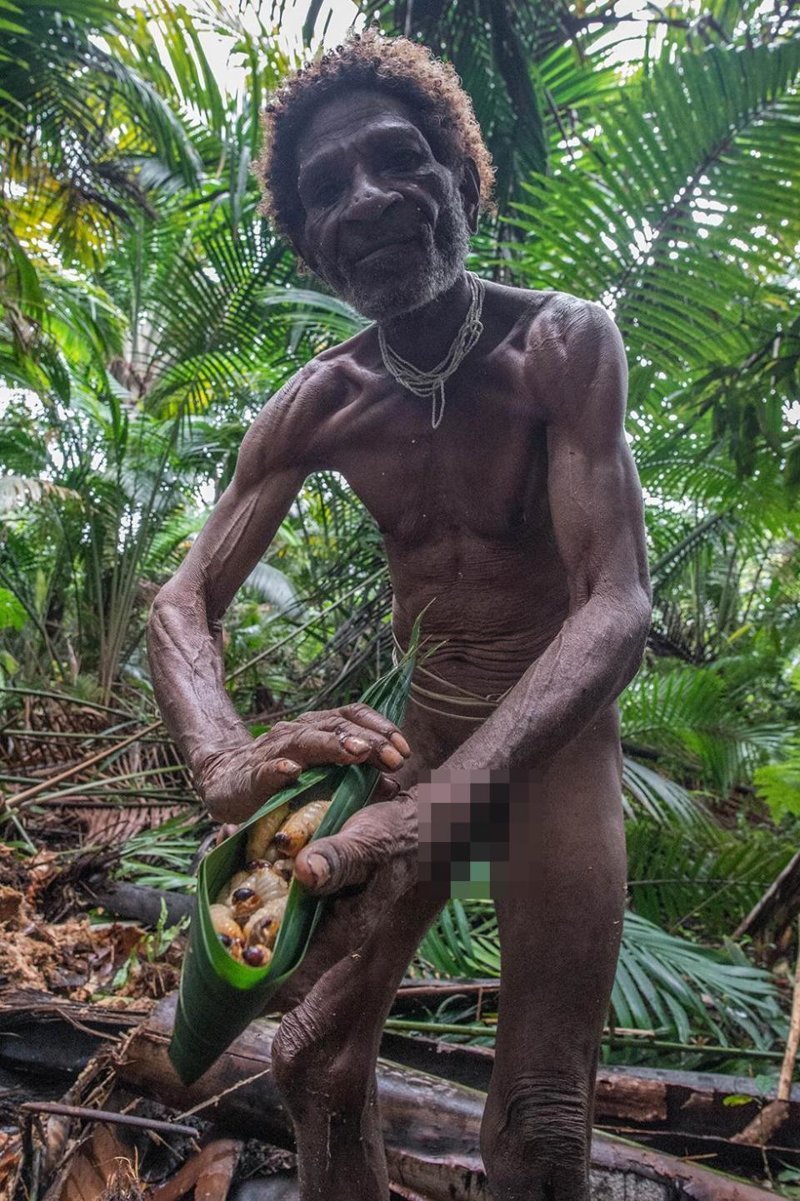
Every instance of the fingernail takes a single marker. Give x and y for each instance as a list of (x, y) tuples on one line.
[(401, 744), (320, 869), (288, 766), (356, 746), (391, 757)]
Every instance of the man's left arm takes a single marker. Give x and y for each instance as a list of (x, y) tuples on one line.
[(597, 514)]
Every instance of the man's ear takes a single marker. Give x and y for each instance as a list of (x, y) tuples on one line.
[(470, 189)]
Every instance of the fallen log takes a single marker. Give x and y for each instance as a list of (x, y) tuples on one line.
[(687, 1113), (431, 1127), (135, 902), (42, 1034)]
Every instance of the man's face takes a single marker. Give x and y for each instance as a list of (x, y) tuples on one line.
[(385, 223)]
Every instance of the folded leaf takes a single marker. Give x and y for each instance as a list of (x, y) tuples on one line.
[(218, 996)]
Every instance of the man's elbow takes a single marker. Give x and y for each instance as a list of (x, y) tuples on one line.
[(181, 596), (168, 617), (639, 606), (162, 602), (636, 608), (622, 624)]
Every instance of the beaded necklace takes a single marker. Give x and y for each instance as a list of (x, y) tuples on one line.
[(431, 383)]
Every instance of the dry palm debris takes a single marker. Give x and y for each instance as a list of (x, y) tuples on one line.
[(114, 824), (10, 1161), (74, 957)]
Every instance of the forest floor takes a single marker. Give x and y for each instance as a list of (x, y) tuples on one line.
[(93, 798)]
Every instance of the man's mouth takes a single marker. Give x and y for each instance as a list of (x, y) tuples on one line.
[(375, 252)]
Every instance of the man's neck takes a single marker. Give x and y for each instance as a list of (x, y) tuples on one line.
[(424, 335)]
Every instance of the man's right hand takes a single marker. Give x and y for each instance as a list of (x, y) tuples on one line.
[(236, 781)]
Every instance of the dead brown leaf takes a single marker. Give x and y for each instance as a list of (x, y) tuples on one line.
[(101, 1170), (116, 824), (210, 1172), (41, 869), (12, 905)]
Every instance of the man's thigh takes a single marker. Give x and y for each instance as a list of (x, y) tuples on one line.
[(560, 905)]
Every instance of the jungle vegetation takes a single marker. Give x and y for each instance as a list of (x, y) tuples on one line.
[(147, 311)]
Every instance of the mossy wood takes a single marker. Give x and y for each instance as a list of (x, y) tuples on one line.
[(219, 997)]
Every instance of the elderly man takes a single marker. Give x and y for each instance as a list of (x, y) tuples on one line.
[(482, 426)]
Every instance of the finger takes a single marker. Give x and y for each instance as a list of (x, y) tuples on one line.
[(365, 743), (386, 789), (380, 753), (364, 716), (370, 838), (347, 744), (273, 775)]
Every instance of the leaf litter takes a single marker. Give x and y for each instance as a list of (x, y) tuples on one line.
[(55, 941)]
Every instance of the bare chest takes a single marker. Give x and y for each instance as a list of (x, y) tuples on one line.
[(482, 472)]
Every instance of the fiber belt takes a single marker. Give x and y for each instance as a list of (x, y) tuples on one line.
[(485, 705)]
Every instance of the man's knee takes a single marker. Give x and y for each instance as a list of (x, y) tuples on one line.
[(537, 1146), (312, 1066)]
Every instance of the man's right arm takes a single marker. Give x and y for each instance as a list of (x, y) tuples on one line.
[(234, 772)]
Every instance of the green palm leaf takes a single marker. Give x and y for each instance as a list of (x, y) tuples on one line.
[(663, 801), (662, 981), (665, 190), (693, 717), (701, 881)]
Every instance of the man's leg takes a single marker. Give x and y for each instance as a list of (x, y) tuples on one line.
[(324, 1058), (334, 1008), (560, 923)]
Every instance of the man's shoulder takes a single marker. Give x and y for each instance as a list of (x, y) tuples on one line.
[(324, 381), (338, 360), (295, 421), (567, 338), (567, 342), (553, 326), (560, 318), (319, 382)]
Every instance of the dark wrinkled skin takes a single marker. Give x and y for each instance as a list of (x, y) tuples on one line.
[(519, 523)]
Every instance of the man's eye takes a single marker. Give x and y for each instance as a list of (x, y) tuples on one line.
[(402, 159)]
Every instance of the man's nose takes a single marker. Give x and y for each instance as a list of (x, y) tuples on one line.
[(369, 198)]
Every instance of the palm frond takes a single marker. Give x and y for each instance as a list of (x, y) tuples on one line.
[(691, 716), (692, 881), (663, 801), (274, 587), (16, 491), (660, 193), (778, 783), (662, 981), (669, 983)]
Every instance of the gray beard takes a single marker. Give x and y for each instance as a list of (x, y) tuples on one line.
[(400, 292)]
